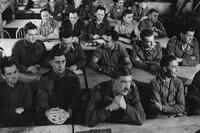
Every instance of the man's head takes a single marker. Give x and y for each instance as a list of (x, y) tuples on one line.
[(52, 2), (122, 81), (112, 38), (95, 3), (119, 2), (100, 13), (77, 3), (153, 15), (187, 35), (147, 37), (31, 32), (73, 16), (127, 16), (169, 65), (45, 14), (57, 59), (9, 71)]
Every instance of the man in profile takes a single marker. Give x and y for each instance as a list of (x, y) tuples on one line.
[(167, 92), (115, 101), (59, 92)]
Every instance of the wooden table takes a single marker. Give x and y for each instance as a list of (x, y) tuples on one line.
[(164, 125), (35, 10), (16, 23)]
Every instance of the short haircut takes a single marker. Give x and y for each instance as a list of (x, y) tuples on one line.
[(44, 9), (57, 50), (115, 1), (125, 12), (100, 8), (152, 11), (146, 33), (64, 34), (29, 26), (166, 60), (74, 11), (114, 34), (121, 71), (186, 29), (6, 62)]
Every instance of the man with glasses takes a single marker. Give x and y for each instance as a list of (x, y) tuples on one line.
[(15, 97), (153, 23), (109, 56), (184, 47), (28, 53), (146, 53)]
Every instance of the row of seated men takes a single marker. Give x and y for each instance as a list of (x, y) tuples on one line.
[(128, 28), (58, 91)]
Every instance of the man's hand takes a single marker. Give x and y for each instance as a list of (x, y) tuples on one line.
[(57, 116), (75, 39), (193, 57), (157, 104), (32, 69), (73, 68), (179, 59), (113, 106), (96, 36), (120, 101), (19, 110)]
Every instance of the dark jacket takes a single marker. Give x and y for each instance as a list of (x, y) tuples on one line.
[(12, 98), (25, 54), (102, 96), (174, 47), (58, 91), (79, 29)]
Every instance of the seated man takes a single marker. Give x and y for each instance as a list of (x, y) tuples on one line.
[(109, 56), (55, 9), (167, 92), (140, 10), (116, 11), (15, 97), (58, 95), (28, 53), (116, 100), (74, 27), (184, 47), (153, 23), (48, 28), (146, 53), (127, 28), (74, 54), (97, 28), (194, 96)]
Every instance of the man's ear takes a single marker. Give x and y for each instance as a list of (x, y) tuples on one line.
[(165, 69), (50, 62), (3, 76)]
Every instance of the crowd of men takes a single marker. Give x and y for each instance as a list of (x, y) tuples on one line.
[(56, 97)]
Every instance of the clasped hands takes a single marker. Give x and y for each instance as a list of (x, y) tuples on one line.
[(57, 115), (118, 102)]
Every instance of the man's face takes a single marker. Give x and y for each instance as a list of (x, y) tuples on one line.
[(78, 2), (11, 74), (172, 69), (122, 86), (148, 41), (52, 3), (120, 3), (31, 35), (128, 18), (100, 14), (45, 15), (109, 43), (154, 16), (58, 64), (73, 17), (67, 42), (188, 37)]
